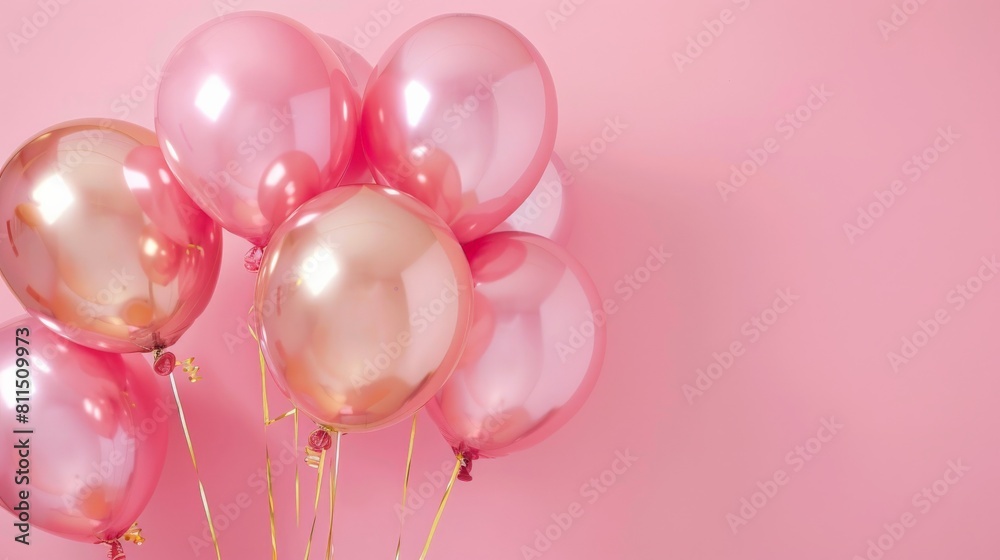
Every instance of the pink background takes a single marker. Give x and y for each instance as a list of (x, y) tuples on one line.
[(655, 185)]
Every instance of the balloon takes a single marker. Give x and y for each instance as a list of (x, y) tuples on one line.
[(358, 71), (546, 211), (534, 352), (102, 244), (255, 115), (461, 113), (99, 440), (363, 303)]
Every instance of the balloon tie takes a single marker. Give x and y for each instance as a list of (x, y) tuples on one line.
[(253, 258), (320, 441), (406, 481), (444, 501), (133, 535), (467, 455)]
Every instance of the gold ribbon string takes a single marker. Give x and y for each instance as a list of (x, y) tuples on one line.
[(333, 498), (194, 462), (319, 488), (267, 448), (298, 508), (292, 412), (444, 502), (406, 481)]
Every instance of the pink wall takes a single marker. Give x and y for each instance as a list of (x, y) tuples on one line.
[(808, 416)]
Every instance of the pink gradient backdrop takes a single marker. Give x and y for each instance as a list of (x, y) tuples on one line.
[(654, 186)]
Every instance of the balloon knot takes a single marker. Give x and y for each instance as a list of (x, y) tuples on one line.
[(253, 258), (319, 442), (466, 456), (164, 362)]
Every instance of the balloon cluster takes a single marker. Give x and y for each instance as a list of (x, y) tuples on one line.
[(375, 201)]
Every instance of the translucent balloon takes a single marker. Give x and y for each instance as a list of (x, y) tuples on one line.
[(461, 114), (99, 434), (535, 348), (256, 115)]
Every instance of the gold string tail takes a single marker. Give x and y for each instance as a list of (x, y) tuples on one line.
[(406, 482), (298, 493), (267, 449), (333, 497), (194, 462), (444, 502), (319, 488)]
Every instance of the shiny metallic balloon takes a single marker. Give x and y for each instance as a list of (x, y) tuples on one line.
[(363, 303), (534, 352), (100, 242), (256, 115), (461, 113), (98, 437)]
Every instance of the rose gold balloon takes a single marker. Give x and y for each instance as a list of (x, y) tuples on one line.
[(534, 351), (99, 434), (99, 240), (363, 304)]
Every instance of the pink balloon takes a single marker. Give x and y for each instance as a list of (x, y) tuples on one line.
[(461, 114), (100, 241), (546, 212), (243, 98), (358, 71), (534, 352), (99, 440), (363, 303)]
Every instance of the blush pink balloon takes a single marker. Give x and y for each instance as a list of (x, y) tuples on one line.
[(99, 240), (363, 304), (98, 441), (461, 113), (358, 71), (247, 101), (546, 212), (534, 352)]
